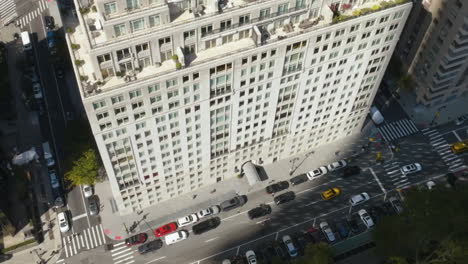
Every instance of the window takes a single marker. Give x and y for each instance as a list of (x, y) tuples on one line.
[(170, 83), (154, 20), (189, 34), (227, 39), (102, 115), (123, 54), (100, 104), (226, 24), (138, 24), (210, 43), (142, 47), (134, 93), (117, 99), (104, 58), (110, 8), (282, 8), (164, 41), (264, 13), (244, 34), (153, 88), (244, 19), (120, 30), (133, 4), (206, 30)]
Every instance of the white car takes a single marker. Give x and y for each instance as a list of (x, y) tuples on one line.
[(411, 168), (292, 251), (213, 210), (314, 174), (37, 91), (460, 120), (250, 256), (366, 219), (87, 191), (187, 220), (359, 198), (176, 237), (337, 165), (63, 222), (326, 230)]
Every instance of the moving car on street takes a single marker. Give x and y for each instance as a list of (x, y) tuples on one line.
[(330, 193), (136, 239), (235, 202), (359, 199), (262, 210), (411, 168), (150, 246), (459, 147), (314, 174), (37, 90), (285, 197), (277, 187), (187, 220), (165, 229), (337, 165), (206, 225), (366, 219), (351, 171), (213, 210)]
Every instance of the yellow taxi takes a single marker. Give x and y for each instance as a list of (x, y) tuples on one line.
[(459, 147), (330, 193)]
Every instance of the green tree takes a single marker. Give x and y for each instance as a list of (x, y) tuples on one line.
[(84, 170), (406, 83), (316, 254)]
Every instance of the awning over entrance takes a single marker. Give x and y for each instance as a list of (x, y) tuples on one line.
[(251, 173)]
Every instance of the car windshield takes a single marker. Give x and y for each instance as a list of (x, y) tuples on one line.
[(63, 224), (317, 171)]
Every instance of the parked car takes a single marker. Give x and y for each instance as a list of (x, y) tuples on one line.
[(337, 165), (187, 220), (353, 223), (279, 251), (37, 90), (461, 120), (213, 210), (366, 218), (285, 197), (51, 39), (93, 205), (326, 230), (53, 179), (136, 239), (301, 240), (351, 171), (49, 22), (206, 225), (343, 229), (261, 210), (87, 191), (176, 237), (313, 234), (150, 246), (330, 193), (396, 204), (277, 187), (411, 168), (359, 199), (165, 229), (59, 72), (234, 202), (314, 174), (298, 179), (250, 256), (63, 221), (292, 251)]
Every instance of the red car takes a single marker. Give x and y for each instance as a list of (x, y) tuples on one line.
[(165, 229), (136, 239)]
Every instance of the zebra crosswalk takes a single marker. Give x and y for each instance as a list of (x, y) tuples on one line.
[(440, 144), (26, 19), (87, 239), (399, 179), (397, 129), (121, 254), (7, 11)]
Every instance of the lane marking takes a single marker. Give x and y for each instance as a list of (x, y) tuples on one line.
[(102, 234), (456, 135), (79, 217), (156, 259), (120, 252), (122, 256), (211, 239), (377, 179), (122, 260), (96, 228), (118, 244)]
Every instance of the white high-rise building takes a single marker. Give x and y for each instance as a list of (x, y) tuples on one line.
[(181, 93)]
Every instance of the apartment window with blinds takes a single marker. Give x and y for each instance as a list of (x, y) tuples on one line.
[(282, 8), (264, 13), (133, 4), (120, 30), (244, 19), (154, 20), (138, 24), (110, 8), (206, 30)]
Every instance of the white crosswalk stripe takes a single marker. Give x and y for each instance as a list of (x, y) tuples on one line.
[(26, 19), (398, 179), (398, 129), (7, 11), (77, 242), (121, 254), (441, 146)]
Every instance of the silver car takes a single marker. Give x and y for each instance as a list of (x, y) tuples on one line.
[(411, 168), (213, 210)]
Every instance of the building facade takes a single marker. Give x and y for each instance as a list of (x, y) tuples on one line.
[(179, 94), (434, 48)]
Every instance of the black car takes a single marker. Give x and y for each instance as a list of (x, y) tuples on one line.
[(298, 179), (277, 187), (285, 197), (280, 252), (206, 225), (93, 205), (150, 246), (353, 223), (301, 241), (233, 203), (350, 171), (343, 229), (262, 210), (49, 22)]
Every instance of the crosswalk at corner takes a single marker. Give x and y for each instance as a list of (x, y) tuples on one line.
[(397, 129), (121, 254), (398, 179), (441, 146), (27, 18), (87, 239)]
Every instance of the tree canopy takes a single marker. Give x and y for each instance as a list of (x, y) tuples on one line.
[(432, 229), (84, 170), (316, 254)]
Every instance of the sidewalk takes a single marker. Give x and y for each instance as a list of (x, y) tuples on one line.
[(115, 225)]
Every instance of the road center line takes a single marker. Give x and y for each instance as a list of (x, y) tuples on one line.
[(377, 179), (79, 216), (154, 260), (211, 239)]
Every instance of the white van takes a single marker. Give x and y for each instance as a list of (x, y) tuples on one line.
[(176, 237), (49, 158), (26, 40), (376, 116)]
